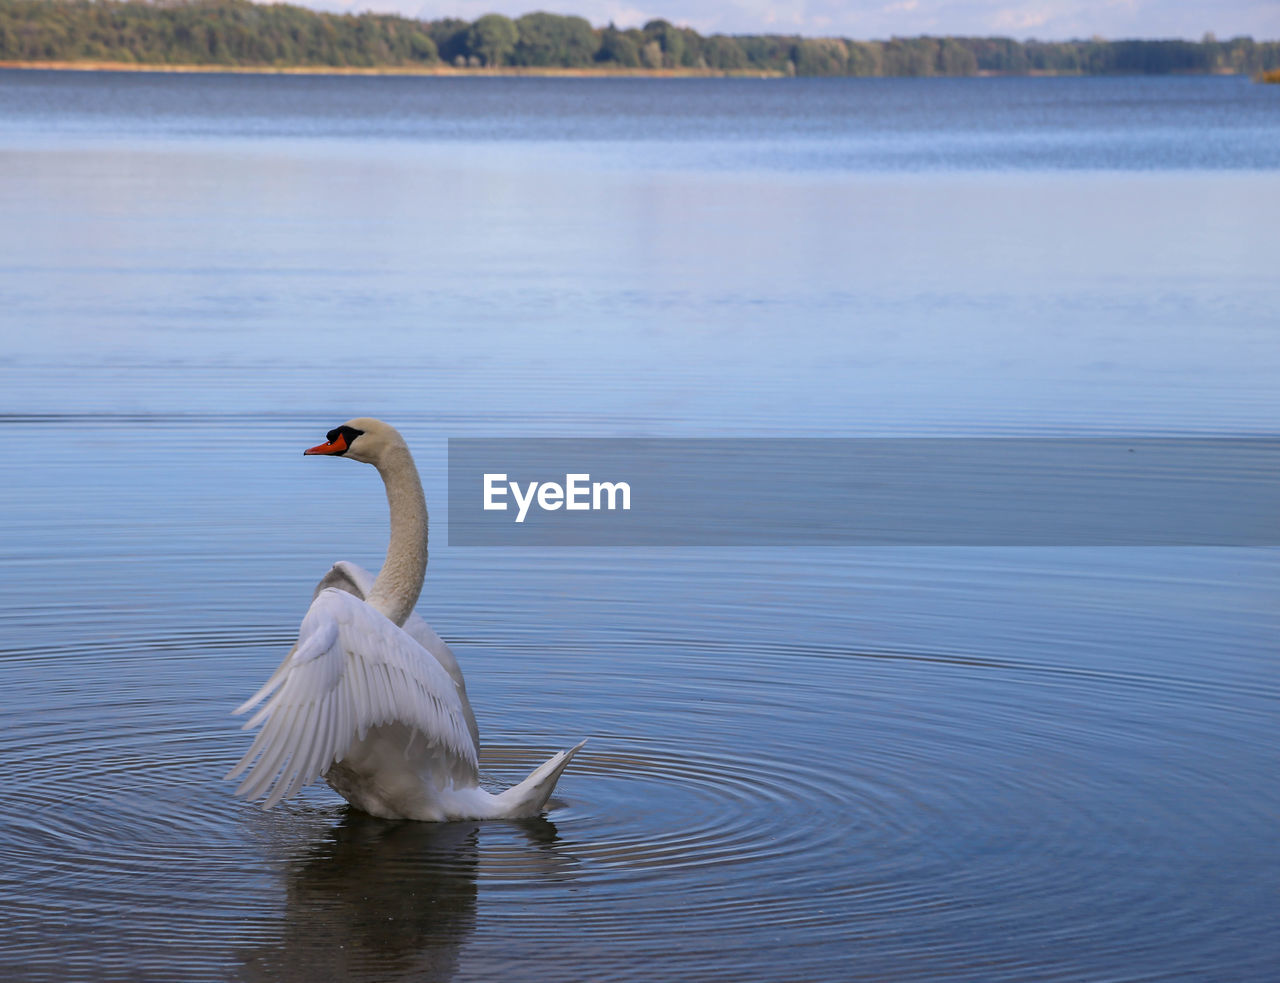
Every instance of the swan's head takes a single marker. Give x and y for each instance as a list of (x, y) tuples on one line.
[(362, 439)]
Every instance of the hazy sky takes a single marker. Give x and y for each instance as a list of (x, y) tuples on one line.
[(1044, 19)]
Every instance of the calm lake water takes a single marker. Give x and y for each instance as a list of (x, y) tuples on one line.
[(926, 763)]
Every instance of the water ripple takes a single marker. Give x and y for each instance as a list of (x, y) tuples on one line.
[(808, 798)]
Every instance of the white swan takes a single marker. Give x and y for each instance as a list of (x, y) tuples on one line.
[(370, 697)]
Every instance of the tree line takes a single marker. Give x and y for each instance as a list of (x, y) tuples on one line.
[(240, 33)]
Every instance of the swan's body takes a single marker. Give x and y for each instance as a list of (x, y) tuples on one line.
[(370, 697)]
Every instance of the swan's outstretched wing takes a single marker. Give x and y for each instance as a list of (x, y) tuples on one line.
[(356, 580), (351, 670)]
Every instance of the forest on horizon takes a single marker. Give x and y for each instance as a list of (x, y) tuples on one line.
[(238, 33)]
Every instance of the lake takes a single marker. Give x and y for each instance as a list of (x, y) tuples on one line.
[(925, 762)]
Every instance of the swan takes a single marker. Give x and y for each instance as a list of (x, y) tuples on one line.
[(369, 696)]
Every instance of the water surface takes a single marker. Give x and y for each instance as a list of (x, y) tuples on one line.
[(804, 763)]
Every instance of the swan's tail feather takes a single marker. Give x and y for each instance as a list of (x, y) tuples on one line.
[(527, 799)]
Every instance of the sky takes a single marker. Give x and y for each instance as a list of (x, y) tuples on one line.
[(868, 19)]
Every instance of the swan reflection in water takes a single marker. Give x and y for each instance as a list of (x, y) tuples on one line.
[(385, 900)]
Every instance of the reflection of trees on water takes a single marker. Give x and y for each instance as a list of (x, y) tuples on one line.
[(385, 901)]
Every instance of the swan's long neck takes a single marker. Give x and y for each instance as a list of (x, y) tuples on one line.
[(399, 582)]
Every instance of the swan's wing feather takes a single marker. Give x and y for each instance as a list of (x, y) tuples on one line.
[(425, 635), (355, 579), (351, 670), (346, 576)]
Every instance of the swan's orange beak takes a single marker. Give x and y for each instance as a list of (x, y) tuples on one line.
[(336, 446)]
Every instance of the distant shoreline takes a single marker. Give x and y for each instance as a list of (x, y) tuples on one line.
[(444, 71), (239, 36), (505, 71)]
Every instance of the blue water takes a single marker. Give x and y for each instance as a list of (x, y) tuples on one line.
[(804, 763)]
